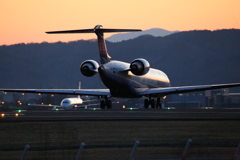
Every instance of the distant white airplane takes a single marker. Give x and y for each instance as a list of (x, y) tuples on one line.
[(73, 103), (123, 80), (68, 104)]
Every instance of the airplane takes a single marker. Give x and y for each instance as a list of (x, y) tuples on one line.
[(70, 103), (73, 103), (123, 80)]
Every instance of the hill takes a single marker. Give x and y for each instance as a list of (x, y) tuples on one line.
[(156, 32), (188, 58)]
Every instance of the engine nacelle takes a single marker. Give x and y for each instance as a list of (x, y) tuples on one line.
[(139, 66), (89, 68)]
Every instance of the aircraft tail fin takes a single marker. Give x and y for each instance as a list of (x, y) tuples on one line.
[(98, 30)]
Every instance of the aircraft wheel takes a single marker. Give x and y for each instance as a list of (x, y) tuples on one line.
[(159, 104), (102, 104), (109, 104), (146, 103), (152, 103)]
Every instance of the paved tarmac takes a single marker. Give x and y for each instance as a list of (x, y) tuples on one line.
[(122, 115)]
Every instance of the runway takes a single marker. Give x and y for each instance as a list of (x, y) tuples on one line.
[(123, 115), (110, 134)]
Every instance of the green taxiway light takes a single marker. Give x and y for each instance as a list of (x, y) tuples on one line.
[(19, 111)]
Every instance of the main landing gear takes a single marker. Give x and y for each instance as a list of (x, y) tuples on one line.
[(106, 103), (152, 103)]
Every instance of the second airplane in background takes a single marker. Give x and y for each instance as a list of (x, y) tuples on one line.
[(74, 102)]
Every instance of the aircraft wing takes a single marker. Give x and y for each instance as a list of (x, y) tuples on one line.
[(90, 92), (183, 89), (141, 92)]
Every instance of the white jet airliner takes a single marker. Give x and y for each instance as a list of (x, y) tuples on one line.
[(71, 103), (123, 80)]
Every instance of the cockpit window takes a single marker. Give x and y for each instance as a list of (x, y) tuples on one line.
[(66, 101)]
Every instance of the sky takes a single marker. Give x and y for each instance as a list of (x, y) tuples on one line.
[(26, 21)]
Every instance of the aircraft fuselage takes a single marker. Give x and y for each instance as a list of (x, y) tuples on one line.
[(123, 83), (70, 103)]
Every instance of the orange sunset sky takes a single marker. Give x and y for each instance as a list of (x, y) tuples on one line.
[(25, 21)]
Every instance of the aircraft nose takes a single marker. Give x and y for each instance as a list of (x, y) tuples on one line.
[(64, 105)]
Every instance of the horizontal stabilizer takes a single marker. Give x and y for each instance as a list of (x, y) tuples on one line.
[(73, 31), (94, 30), (120, 30)]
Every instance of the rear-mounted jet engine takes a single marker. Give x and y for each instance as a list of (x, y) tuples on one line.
[(89, 68), (139, 66)]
